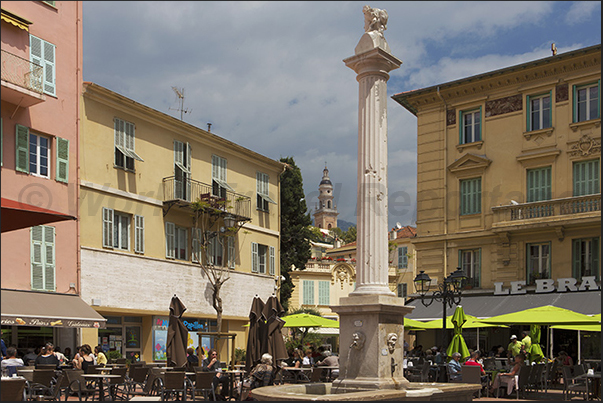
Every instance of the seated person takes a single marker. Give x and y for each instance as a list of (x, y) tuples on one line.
[(192, 360), (330, 360), (261, 375), (212, 364), (308, 360), (48, 356), (11, 362), (454, 367), (473, 361), (508, 378)]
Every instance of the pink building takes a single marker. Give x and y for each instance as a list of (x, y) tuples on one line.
[(41, 89)]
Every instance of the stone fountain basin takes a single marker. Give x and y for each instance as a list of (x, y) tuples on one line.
[(417, 391)]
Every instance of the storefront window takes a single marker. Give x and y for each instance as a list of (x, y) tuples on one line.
[(160, 326)]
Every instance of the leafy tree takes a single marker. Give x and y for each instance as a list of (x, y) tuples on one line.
[(295, 227), (349, 236)]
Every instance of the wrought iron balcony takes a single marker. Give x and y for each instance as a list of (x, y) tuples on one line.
[(184, 192), (548, 211), (22, 82)]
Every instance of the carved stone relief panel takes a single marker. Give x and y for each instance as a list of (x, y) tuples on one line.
[(561, 93), (450, 117), (584, 147), (504, 105)]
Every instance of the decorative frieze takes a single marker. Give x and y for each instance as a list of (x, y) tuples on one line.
[(504, 105), (561, 93), (585, 146)]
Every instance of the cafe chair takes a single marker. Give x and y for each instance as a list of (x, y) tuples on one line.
[(174, 382), (204, 384), (46, 366), (55, 390), (118, 388), (473, 374), (535, 379), (42, 380), (316, 375), (13, 390), (572, 386), (79, 386), (137, 378)]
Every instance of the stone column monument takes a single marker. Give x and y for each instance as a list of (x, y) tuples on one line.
[(371, 329)]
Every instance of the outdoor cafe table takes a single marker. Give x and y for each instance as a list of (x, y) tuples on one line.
[(593, 385), (232, 374), (329, 369), (99, 378), (298, 373)]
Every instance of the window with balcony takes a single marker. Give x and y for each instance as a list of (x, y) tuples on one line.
[(218, 176), (538, 184), (324, 288), (176, 244), (538, 261), (586, 178), (539, 112), (402, 257), (42, 53), (262, 189), (470, 263), (587, 105), (182, 170), (585, 258), (43, 258), (262, 258), (471, 196), (470, 126), (123, 135), (308, 292)]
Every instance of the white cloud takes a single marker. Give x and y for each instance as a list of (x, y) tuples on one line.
[(582, 10)]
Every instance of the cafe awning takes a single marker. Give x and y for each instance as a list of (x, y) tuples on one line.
[(34, 308), (17, 215), (486, 306)]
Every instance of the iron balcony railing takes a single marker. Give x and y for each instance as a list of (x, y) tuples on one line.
[(548, 208), (190, 190), (22, 72)]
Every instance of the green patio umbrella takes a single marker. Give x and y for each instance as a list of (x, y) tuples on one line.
[(308, 320), (535, 354), (543, 315), (458, 342), (471, 323), (595, 327), (411, 324)]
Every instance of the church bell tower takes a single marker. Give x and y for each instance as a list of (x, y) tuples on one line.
[(325, 213)]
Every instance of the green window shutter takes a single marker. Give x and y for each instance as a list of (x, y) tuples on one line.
[(586, 178), (37, 258), (471, 195), (323, 292), (49, 68), (255, 258), (170, 250), (49, 258), (139, 234), (62, 160), (107, 227), (539, 184), (231, 253), (402, 257), (308, 290), (271, 261), (22, 148)]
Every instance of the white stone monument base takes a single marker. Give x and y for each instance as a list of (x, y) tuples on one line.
[(368, 361)]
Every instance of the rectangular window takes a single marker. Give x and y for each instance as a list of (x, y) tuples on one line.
[(197, 241), (586, 102), (123, 135), (182, 170), (539, 112), (471, 196), (43, 258), (138, 234), (218, 176), (470, 263), (42, 53), (308, 292), (180, 243), (121, 231), (170, 230), (539, 184), (39, 155), (215, 251), (586, 178), (271, 260), (585, 258), (538, 261), (402, 257), (402, 290), (262, 256), (263, 198), (323, 292), (470, 125), (262, 249), (231, 252)]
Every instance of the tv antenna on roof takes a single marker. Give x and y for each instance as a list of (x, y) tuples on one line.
[(180, 94)]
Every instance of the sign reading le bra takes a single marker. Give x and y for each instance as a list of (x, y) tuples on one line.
[(548, 285)]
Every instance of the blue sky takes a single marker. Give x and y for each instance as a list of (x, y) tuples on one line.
[(270, 76)]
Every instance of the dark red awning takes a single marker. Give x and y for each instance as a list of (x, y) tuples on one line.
[(16, 215)]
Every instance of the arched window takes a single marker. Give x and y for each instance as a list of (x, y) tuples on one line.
[(329, 204), (329, 226)]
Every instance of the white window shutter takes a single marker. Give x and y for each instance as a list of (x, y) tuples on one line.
[(107, 227), (139, 233), (169, 240), (37, 263), (189, 151), (255, 259), (49, 68), (272, 262), (231, 252)]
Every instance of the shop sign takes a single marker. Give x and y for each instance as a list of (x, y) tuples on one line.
[(548, 285), (44, 322)]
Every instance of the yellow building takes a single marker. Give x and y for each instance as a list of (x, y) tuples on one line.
[(508, 181), (140, 171), (328, 278)]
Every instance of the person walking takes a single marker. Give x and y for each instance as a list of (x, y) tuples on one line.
[(514, 348), (526, 343)]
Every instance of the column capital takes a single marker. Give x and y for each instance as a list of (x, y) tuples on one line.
[(375, 60)]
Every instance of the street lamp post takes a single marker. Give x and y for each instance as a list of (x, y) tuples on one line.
[(448, 292)]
